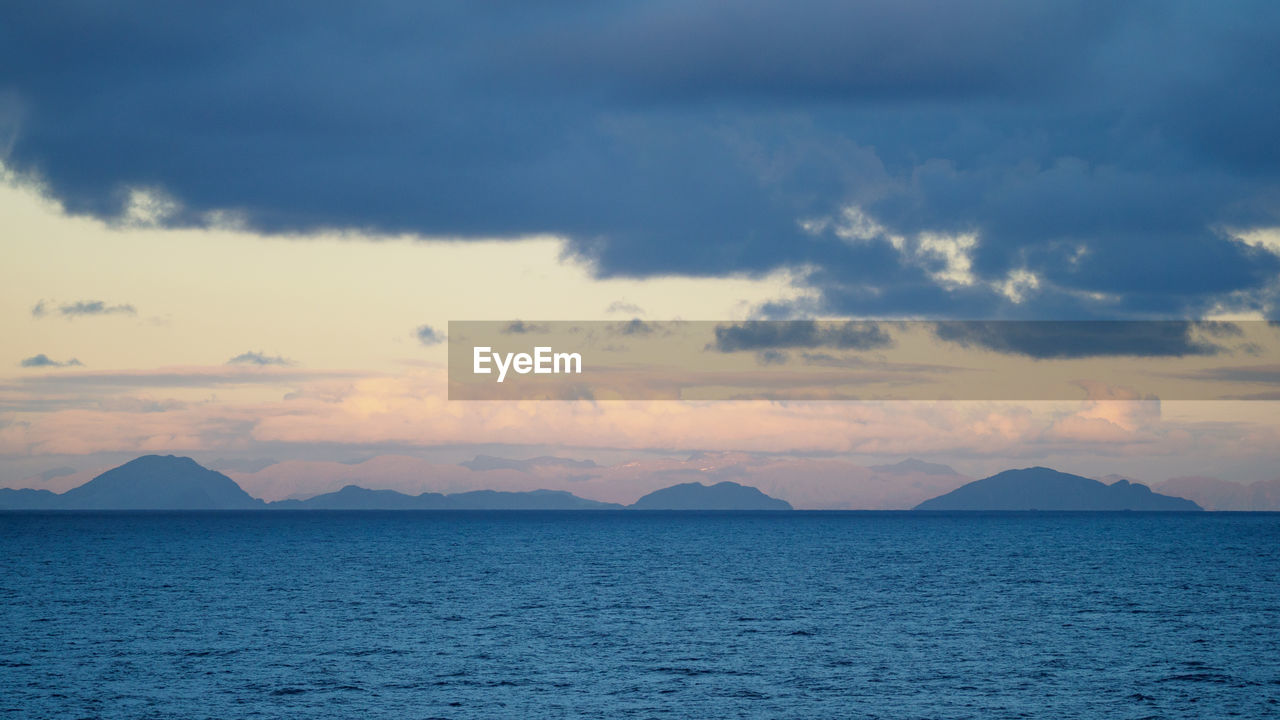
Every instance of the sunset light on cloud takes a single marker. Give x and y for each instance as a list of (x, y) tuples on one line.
[(304, 347), (238, 307)]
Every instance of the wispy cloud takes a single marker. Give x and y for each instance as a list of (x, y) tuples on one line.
[(32, 392), (520, 327), (624, 307), (260, 359), (81, 308), (634, 326), (57, 472), (1255, 374), (44, 361), (783, 334), (772, 357)]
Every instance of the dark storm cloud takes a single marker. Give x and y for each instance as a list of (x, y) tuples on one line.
[(768, 335), (1043, 340), (1106, 148)]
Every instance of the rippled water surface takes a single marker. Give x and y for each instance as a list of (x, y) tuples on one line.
[(616, 614)]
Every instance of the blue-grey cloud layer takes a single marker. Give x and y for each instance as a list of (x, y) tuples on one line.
[(1042, 340), (1104, 147), (44, 361), (788, 334), (260, 359)]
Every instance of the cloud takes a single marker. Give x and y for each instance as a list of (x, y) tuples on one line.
[(1047, 339), (783, 334), (1255, 374), (634, 326), (1111, 415), (428, 335), (772, 357), (95, 307), (57, 472), (520, 327), (624, 307), (82, 308), (148, 207), (69, 389), (353, 414), (43, 361), (1052, 140), (823, 359), (260, 359)]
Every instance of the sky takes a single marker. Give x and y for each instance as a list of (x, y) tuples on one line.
[(239, 232)]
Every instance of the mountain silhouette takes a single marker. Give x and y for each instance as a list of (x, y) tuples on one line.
[(1040, 488), (160, 482), (721, 496), (151, 482), (353, 497), (28, 499), (1215, 494), (156, 482)]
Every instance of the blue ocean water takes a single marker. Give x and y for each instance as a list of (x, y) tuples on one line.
[(617, 614)]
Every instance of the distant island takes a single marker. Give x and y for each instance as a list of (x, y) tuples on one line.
[(168, 482), (353, 497), (151, 482), (721, 496), (1041, 488)]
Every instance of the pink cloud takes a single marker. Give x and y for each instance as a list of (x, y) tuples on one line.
[(410, 410)]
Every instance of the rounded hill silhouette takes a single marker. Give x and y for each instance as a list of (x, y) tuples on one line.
[(1040, 488)]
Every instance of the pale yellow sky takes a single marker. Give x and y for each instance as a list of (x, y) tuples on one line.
[(336, 300)]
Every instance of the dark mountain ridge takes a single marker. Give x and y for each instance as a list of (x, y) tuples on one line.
[(151, 482), (155, 482), (721, 496), (354, 497), (28, 499), (1040, 488)]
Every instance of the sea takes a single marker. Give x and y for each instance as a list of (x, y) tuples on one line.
[(618, 614)]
